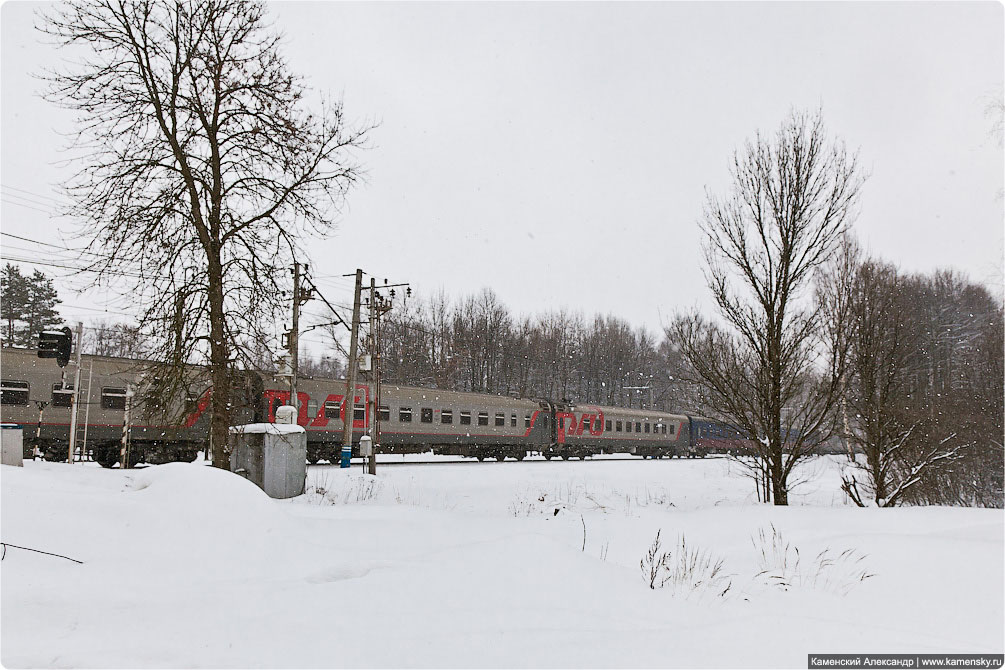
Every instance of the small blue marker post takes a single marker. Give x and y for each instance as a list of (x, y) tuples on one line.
[(346, 456)]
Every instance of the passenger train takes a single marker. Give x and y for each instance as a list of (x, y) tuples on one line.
[(35, 394)]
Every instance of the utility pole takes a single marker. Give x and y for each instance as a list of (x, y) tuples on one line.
[(349, 402), (87, 407), (372, 459), (294, 337), (378, 307), (127, 425), (76, 394)]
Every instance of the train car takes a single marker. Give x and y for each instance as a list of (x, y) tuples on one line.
[(709, 436), (414, 419), (36, 393), (583, 430)]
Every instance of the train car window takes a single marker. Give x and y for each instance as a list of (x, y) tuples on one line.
[(500, 418), (427, 415), (526, 420), (113, 397), (665, 430), (312, 409), (638, 427), (405, 414), (561, 422), (483, 418), (608, 426), (359, 413), (512, 420), (13, 392), (617, 426), (647, 427), (465, 418), (331, 409), (384, 413), (446, 416), (62, 396), (598, 425)]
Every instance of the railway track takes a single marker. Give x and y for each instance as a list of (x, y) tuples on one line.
[(358, 463)]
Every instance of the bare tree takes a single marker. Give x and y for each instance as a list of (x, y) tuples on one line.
[(880, 343), (921, 399), (791, 199), (201, 167), (955, 390), (115, 339)]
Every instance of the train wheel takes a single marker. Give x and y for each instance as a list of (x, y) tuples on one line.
[(106, 457), (480, 458), (54, 454), (500, 457), (520, 456), (548, 457)]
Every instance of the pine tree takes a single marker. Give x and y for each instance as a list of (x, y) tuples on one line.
[(13, 299), (27, 306), (41, 312)]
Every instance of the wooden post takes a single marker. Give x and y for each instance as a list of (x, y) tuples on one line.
[(349, 402), (76, 393)]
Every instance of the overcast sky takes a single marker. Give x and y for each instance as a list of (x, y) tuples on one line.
[(559, 153)]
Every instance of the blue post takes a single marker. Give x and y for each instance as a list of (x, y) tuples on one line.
[(346, 456)]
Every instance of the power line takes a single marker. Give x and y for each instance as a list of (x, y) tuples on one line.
[(30, 199), (37, 195), (117, 273), (55, 255), (98, 309), (48, 244), (21, 204)]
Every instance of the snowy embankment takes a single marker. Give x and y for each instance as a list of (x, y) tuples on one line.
[(510, 564)]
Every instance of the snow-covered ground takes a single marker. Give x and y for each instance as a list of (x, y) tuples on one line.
[(531, 564)]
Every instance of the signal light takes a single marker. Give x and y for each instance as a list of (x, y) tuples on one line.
[(56, 344)]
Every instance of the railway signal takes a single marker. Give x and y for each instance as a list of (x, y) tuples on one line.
[(56, 344)]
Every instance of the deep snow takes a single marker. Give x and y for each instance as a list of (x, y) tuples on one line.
[(479, 565)]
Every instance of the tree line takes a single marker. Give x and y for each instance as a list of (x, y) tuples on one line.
[(918, 403), (476, 343)]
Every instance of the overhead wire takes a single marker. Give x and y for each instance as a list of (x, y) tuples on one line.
[(32, 193)]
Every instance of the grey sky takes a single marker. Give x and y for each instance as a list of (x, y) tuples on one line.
[(559, 152)]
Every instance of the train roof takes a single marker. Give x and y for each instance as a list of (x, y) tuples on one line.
[(642, 414), (126, 363)]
